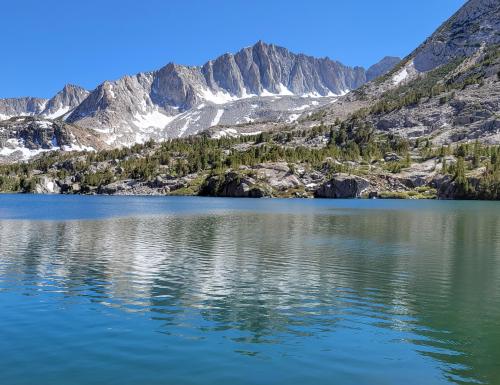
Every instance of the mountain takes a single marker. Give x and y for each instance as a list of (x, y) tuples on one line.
[(406, 133), (258, 83), (64, 101)]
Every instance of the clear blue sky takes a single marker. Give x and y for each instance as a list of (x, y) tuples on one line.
[(47, 43)]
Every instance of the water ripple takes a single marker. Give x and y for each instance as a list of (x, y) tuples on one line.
[(292, 295)]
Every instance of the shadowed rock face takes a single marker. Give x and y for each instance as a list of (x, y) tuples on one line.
[(342, 186), (232, 185), (382, 67)]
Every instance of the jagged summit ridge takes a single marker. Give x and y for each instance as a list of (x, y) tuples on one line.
[(269, 68)]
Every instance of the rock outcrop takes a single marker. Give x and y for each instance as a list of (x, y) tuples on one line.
[(232, 185), (47, 185), (342, 186)]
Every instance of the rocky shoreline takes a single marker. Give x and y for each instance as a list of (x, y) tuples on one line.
[(274, 180)]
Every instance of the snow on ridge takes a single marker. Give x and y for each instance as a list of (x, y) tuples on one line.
[(232, 133), (303, 107), (266, 93), (190, 118), (76, 147), (108, 87), (250, 133), (400, 76), (43, 123), (330, 94), (4, 117), (42, 107)]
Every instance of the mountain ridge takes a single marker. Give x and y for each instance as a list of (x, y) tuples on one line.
[(178, 100)]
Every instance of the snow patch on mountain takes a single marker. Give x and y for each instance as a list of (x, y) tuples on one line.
[(230, 132), (217, 117), (154, 119), (284, 90), (219, 97), (58, 113), (404, 73)]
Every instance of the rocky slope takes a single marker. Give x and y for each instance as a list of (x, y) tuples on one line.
[(476, 24), (448, 88)]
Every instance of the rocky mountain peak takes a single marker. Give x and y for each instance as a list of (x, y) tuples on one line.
[(64, 101)]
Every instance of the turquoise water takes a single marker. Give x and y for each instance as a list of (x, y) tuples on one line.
[(133, 290)]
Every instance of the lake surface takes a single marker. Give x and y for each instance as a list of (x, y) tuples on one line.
[(133, 290)]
